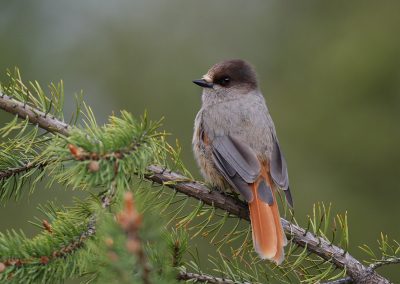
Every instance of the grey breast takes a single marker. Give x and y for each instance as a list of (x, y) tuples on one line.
[(246, 119)]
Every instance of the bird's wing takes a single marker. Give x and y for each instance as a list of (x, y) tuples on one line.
[(240, 166), (279, 172), (237, 162)]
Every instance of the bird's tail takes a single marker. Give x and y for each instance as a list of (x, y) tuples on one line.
[(268, 236)]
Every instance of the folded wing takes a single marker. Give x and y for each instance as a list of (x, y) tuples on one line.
[(238, 163), (279, 172)]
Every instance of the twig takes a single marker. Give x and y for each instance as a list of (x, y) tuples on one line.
[(386, 261), (206, 278), (346, 280), (358, 272), (82, 155), (6, 173)]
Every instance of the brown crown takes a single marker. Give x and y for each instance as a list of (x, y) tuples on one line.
[(238, 71)]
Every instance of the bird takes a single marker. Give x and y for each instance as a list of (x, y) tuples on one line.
[(237, 149)]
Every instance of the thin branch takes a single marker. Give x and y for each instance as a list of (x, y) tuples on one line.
[(386, 261), (82, 155), (206, 278), (358, 272), (346, 280), (6, 173)]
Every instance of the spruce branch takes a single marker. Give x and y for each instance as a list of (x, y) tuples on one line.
[(19, 149), (178, 245), (56, 246), (302, 237), (9, 172), (50, 254)]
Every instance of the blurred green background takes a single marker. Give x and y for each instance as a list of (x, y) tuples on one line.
[(330, 72)]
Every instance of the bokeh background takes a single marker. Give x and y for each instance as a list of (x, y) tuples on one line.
[(330, 72)]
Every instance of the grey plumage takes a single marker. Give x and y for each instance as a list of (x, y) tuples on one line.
[(237, 163), (289, 198), (239, 129), (239, 156), (279, 172), (278, 167)]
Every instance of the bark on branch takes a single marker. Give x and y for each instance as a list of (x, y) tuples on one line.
[(358, 272), (45, 121)]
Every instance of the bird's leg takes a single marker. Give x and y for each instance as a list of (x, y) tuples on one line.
[(232, 193), (212, 187)]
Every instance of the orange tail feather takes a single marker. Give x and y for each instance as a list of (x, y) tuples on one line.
[(268, 236)]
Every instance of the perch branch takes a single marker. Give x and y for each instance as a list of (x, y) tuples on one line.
[(317, 245), (358, 272)]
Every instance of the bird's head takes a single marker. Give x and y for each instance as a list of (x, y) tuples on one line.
[(227, 80)]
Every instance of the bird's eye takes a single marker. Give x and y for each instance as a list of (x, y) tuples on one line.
[(224, 81)]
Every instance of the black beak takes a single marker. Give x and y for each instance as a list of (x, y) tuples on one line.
[(203, 83)]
